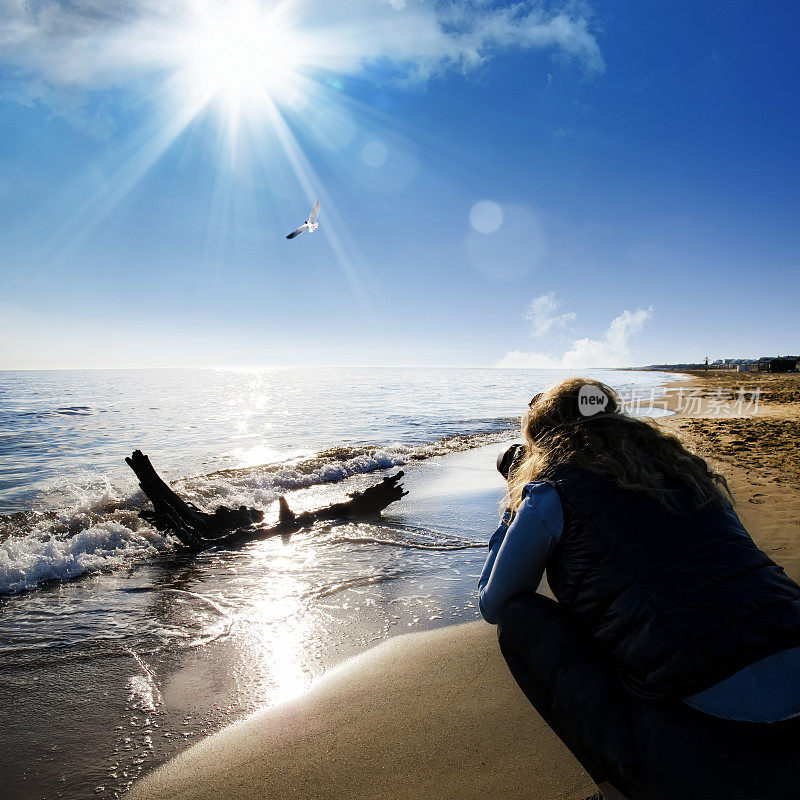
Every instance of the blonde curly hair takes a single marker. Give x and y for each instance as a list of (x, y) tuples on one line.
[(635, 453)]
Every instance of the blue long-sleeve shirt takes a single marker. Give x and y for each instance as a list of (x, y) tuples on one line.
[(766, 691), (518, 554)]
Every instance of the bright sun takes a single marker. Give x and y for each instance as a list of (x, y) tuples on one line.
[(239, 58)]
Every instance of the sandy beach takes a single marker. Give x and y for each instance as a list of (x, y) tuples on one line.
[(759, 454), (116, 636), (436, 714), (425, 714)]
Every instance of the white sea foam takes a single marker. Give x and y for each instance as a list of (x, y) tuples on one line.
[(27, 561), (260, 486), (97, 528)]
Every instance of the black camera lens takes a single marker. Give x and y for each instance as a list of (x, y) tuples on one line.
[(508, 459)]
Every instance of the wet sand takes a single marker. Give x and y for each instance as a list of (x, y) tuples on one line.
[(428, 714), (437, 714)]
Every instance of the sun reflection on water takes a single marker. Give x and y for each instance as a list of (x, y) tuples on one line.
[(279, 631)]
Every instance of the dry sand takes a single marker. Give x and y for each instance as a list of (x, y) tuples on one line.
[(436, 714), (759, 454), (765, 444)]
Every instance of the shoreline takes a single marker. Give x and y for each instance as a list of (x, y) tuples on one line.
[(199, 641), (433, 714), (437, 713)]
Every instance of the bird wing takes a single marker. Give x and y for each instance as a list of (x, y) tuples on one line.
[(312, 217), (297, 231)]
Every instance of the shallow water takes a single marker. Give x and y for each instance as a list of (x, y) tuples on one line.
[(63, 433), (109, 675), (117, 650)]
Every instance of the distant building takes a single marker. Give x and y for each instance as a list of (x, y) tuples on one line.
[(726, 363), (784, 364), (764, 364), (778, 364)]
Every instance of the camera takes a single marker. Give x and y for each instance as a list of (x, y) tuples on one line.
[(509, 459)]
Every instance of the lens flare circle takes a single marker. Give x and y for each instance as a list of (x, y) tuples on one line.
[(486, 216), (374, 154), (510, 251)]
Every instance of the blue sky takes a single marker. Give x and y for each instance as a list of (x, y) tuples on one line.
[(559, 184)]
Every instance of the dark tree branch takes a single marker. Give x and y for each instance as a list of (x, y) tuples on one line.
[(198, 530)]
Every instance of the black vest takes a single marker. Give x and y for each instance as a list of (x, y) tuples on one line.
[(680, 601)]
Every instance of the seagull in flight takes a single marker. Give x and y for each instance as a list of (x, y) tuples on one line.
[(309, 225)]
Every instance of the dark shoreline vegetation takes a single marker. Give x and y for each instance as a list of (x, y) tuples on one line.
[(765, 364)]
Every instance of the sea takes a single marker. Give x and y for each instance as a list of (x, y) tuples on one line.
[(118, 649)]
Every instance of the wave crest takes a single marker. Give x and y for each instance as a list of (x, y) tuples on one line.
[(97, 527), (27, 561)]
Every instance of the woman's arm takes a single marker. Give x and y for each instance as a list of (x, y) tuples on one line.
[(518, 552)]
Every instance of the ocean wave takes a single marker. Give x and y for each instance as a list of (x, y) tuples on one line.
[(28, 561), (404, 537), (75, 411), (10, 416), (409, 545), (97, 526), (368, 579), (261, 485)]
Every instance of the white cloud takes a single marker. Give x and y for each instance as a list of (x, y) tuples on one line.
[(541, 313), (609, 351), (90, 44), (516, 359)]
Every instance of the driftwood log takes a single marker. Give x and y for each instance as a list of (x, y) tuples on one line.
[(198, 530)]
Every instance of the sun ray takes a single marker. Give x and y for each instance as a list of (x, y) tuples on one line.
[(255, 78), (152, 145), (312, 187)]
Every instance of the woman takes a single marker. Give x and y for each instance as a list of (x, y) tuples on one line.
[(670, 665)]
